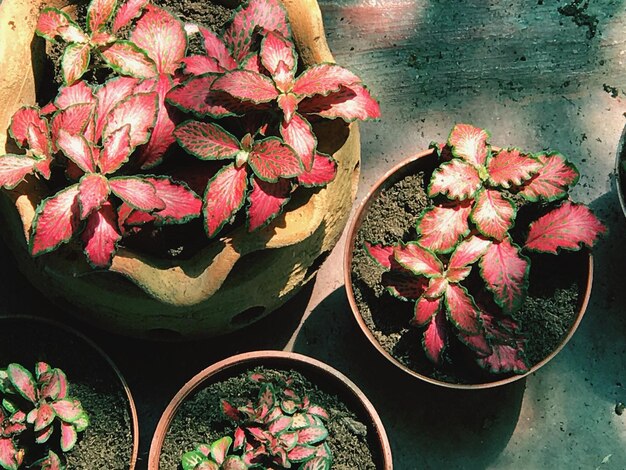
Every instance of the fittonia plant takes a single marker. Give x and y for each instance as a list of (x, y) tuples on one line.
[(471, 226), (97, 139), (36, 408), (279, 430)]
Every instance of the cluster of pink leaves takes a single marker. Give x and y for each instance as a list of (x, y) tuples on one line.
[(103, 135), (39, 404), (472, 224)]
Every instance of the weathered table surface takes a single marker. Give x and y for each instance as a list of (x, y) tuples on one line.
[(536, 80)]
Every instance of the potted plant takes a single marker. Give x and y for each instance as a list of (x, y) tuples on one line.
[(463, 224), (64, 403), (191, 175), (269, 409)]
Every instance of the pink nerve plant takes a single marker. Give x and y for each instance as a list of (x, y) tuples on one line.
[(95, 139), (471, 226)]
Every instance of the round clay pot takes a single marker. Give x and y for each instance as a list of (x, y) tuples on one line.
[(620, 171), (34, 349), (234, 280), (317, 372), (423, 161)]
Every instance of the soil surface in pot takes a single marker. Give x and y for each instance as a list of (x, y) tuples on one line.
[(108, 442), (547, 315), (200, 420)]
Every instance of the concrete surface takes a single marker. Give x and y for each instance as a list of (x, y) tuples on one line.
[(535, 79)]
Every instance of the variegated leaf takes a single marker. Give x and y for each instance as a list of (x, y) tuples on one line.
[(136, 192), (246, 85), (418, 260), (56, 220), (298, 133), (322, 79), (139, 111), (207, 141), (77, 149), (510, 167), (456, 179), (553, 179), (23, 381), (217, 50), (201, 64), (504, 358), (127, 59), (270, 160), (75, 61), (462, 311), (437, 286), (109, 95), (8, 454), (383, 255), (349, 104), (225, 195), (23, 122), (441, 227), (197, 96), (468, 252), (73, 119), (77, 93), (275, 48), (116, 150), (266, 201), (403, 284), (181, 203), (424, 311), (435, 338), (53, 23), (493, 214), (99, 12), (14, 168), (93, 191), (68, 437), (127, 11), (469, 143), (567, 227), (323, 172)]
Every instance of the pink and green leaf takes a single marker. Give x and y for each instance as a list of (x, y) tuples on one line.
[(8, 454), (403, 284), (126, 58), (69, 436), (271, 159), (323, 79), (383, 255), (109, 95), (478, 343), (349, 104), (116, 150), (225, 195), (196, 95), (504, 358), (441, 227), (493, 214), (181, 203), (312, 435), (435, 338), (43, 435), (75, 61), (201, 64), (73, 119), (23, 381), (93, 192), (288, 104), (317, 463), (230, 411), (456, 179), (67, 410), (219, 449), (138, 110), (137, 193), (469, 143), (56, 219), (23, 119), (266, 201), (128, 10), (505, 272), (424, 311), (301, 453), (14, 168), (162, 37), (217, 50), (323, 172), (298, 133), (246, 85), (510, 167), (275, 48), (437, 286), (418, 260), (468, 252), (53, 23), (567, 227), (77, 93), (45, 416), (99, 13), (77, 149), (462, 310), (553, 179), (207, 141)]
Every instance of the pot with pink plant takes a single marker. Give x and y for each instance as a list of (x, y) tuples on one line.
[(481, 270), (159, 184)]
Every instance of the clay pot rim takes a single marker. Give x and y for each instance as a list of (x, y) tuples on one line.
[(621, 149), (270, 358), (107, 358), (355, 224)]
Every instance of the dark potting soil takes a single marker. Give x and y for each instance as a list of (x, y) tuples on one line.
[(200, 420), (108, 442), (546, 317)]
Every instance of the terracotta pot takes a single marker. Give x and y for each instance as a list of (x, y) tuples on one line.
[(35, 349), (620, 171), (233, 281), (320, 374), (427, 160)]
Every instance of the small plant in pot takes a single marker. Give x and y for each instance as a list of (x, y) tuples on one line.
[(131, 165), (269, 409), (461, 260)]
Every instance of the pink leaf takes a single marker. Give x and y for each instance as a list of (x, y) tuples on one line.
[(504, 358), (181, 204), (13, 169), (53, 23), (239, 438), (24, 119), (77, 149), (424, 311), (456, 179), (279, 425), (275, 49), (323, 79), (349, 103), (93, 191), (45, 416), (312, 435), (511, 168), (468, 252), (77, 93), (566, 227), (219, 449), (298, 134), (230, 411), (67, 410), (435, 337), (225, 195), (201, 64), (462, 311), (137, 192), (469, 143), (288, 103), (323, 172), (98, 13), (437, 285), (43, 435), (127, 59), (162, 37), (127, 11), (268, 15), (196, 95), (23, 381), (246, 85), (266, 201), (271, 159), (207, 141), (553, 179), (442, 227), (478, 343), (418, 260), (55, 221), (116, 150), (75, 61), (138, 110), (68, 437), (301, 453), (403, 284), (383, 255), (109, 95), (73, 119), (217, 50), (102, 38), (493, 214), (101, 236), (506, 273), (8, 454)]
